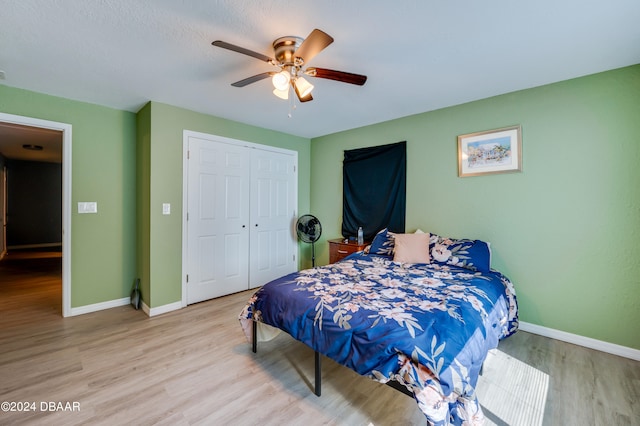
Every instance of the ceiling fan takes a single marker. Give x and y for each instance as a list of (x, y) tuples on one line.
[(292, 54)]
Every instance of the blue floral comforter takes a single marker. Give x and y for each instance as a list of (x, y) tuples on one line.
[(427, 326)]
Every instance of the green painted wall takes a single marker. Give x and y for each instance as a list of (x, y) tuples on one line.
[(103, 245), (143, 188), (565, 230), (166, 125)]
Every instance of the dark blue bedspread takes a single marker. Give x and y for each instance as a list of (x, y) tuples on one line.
[(428, 326)]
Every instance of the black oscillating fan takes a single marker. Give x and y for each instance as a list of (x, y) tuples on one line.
[(309, 231)]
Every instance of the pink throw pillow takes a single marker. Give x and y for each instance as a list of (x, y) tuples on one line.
[(411, 248)]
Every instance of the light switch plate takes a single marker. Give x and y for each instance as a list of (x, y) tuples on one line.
[(166, 208), (87, 207)]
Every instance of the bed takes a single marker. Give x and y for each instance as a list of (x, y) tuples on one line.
[(425, 324)]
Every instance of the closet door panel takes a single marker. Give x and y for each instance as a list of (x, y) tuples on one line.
[(272, 242), (217, 228)]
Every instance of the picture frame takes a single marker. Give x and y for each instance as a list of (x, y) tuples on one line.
[(490, 152)]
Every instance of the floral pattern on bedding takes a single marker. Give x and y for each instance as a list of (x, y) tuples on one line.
[(427, 326)]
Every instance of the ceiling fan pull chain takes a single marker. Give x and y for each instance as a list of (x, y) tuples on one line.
[(292, 103)]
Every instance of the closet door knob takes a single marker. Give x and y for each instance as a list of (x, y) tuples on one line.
[(244, 226), (256, 225)]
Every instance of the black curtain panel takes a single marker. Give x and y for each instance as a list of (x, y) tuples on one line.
[(374, 189)]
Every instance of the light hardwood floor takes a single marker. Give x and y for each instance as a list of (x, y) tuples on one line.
[(194, 366)]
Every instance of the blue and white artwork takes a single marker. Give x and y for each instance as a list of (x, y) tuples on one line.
[(489, 153), (494, 151)]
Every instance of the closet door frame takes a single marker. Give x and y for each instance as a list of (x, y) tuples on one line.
[(186, 134)]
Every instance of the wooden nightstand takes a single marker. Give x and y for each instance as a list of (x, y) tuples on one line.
[(338, 249)]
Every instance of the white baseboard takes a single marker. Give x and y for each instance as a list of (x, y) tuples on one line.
[(123, 302), (587, 342), (80, 310), (152, 312)]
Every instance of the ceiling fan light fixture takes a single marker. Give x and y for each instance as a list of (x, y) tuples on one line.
[(282, 94), (32, 147), (291, 53), (303, 87), (281, 80)]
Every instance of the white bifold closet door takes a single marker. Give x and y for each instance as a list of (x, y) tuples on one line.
[(272, 242), (240, 218)]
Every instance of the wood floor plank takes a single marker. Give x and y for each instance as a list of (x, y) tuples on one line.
[(195, 367)]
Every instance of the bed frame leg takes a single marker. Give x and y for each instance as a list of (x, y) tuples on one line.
[(254, 343), (318, 365), (318, 389)]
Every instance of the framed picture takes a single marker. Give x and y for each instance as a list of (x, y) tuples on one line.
[(489, 152)]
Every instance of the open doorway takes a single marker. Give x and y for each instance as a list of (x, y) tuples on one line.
[(35, 213)]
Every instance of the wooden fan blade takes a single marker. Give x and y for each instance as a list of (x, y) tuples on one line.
[(229, 46), (344, 77), (253, 79), (315, 43)]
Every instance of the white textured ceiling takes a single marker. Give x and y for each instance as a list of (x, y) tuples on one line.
[(419, 55)]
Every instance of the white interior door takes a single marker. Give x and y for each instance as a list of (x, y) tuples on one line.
[(218, 219), (273, 212), (240, 207)]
